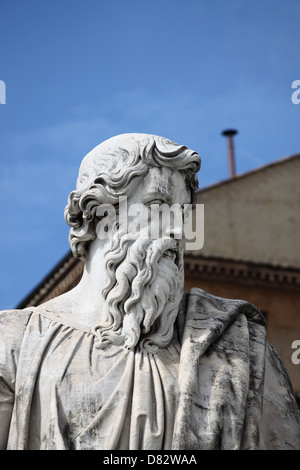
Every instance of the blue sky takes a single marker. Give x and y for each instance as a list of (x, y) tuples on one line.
[(80, 71)]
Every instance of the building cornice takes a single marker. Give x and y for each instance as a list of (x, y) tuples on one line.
[(68, 272), (242, 272)]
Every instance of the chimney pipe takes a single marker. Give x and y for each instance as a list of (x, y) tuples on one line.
[(229, 133)]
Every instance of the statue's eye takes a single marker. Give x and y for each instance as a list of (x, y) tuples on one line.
[(157, 201)]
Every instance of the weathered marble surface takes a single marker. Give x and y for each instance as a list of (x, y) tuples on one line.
[(126, 360), (218, 385)]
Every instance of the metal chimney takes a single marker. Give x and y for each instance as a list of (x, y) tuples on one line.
[(229, 133)]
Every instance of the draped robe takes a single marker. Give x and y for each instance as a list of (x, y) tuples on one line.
[(218, 385)]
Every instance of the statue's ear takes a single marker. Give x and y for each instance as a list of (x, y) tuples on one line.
[(73, 213), (73, 202)]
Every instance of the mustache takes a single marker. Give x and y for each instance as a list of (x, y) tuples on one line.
[(165, 248), (159, 249)]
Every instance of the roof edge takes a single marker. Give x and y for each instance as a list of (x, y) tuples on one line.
[(240, 176)]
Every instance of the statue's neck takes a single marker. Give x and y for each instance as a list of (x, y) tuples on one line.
[(88, 293)]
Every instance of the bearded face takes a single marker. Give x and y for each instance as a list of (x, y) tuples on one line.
[(145, 276), (145, 282)]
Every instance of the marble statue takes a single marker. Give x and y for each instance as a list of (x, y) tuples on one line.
[(126, 359)]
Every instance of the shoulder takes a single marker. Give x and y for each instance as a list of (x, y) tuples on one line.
[(13, 324), (210, 302), (15, 316)]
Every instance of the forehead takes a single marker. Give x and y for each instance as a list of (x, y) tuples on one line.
[(164, 183)]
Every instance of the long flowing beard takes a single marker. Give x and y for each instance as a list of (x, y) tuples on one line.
[(143, 292)]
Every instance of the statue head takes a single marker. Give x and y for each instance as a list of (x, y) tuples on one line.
[(144, 276), (115, 168)]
